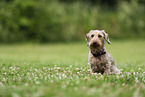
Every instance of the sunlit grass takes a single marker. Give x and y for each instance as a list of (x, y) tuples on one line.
[(61, 70)]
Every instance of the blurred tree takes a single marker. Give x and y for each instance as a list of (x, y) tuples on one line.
[(69, 20)]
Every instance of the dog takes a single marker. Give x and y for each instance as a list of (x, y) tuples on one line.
[(100, 60)]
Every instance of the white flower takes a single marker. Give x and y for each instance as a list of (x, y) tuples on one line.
[(136, 80), (123, 84), (44, 68), (26, 84), (11, 67), (63, 75), (5, 73), (45, 78), (3, 80), (29, 78), (129, 73), (77, 69), (133, 73), (36, 70), (122, 76), (59, 77), (37, 82), (58, 68), (1, 84), (67, 67), (96, 77), (17, 68)]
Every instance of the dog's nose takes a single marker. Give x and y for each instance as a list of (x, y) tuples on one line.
[(94, 43)]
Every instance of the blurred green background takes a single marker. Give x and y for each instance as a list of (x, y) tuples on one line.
[(43, 21)]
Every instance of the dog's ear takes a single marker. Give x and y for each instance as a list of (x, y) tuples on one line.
[(87, 36), (106, 36), (87, 39)]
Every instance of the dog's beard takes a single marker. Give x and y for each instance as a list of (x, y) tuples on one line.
[(95, 49)]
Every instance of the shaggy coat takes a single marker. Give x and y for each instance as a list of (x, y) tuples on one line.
[(100, 60)]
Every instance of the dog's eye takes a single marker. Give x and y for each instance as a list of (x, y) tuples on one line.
[(99, 36), (92, 35)]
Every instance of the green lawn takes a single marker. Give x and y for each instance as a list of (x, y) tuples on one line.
[(61, 70)]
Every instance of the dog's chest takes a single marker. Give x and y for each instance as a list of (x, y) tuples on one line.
[(98, 60), (98, 64)]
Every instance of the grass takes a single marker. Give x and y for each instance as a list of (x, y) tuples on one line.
[(61, 70)]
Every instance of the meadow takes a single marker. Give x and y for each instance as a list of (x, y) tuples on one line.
[(61, 70)]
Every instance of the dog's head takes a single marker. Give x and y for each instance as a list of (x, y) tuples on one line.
[(96, 39)]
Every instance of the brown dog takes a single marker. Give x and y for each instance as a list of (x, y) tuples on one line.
[(99, 59)]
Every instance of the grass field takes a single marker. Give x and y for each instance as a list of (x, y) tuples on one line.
[(61, 70)]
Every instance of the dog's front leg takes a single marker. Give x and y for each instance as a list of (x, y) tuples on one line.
[(107, 69), (93, 68), (106, 72)]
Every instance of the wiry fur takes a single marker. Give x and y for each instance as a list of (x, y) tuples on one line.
[(104, 63)]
